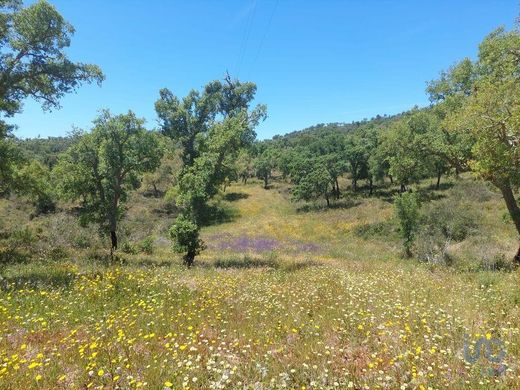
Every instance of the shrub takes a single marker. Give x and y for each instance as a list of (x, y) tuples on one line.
[(16, 246), (443, 223), (454, 219), (377, 229), (407, 211), (127, 247), (185, 236), (146, 245), (58, 253)]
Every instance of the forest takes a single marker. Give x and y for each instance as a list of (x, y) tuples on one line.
[(380, 253)]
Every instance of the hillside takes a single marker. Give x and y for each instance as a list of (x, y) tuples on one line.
[(284, 295)]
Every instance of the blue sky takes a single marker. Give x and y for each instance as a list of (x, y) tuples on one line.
[(313, 61)]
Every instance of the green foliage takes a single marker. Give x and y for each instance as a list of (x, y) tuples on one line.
[(443, 223), (315, 184), (210, 127), (407, 212), (33, 62), (383, 229), (185, 236), (263, 166), (244, 166), (489, 113), (104, 165), (16, 245), (46, 150), (146, 245), (10, 159), (34, 181), (162, 178)]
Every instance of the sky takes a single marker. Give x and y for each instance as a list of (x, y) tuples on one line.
[(313, 61)]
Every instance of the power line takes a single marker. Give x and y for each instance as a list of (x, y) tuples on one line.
[(245, 39), (265, 35)]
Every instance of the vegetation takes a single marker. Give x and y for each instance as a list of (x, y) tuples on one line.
[(101, 168), (299, 280)]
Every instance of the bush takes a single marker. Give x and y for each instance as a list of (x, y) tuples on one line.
[(127, 247), (185, 236), (474, 190), (443, 223), (58, 253), (377, 229), (146, 245), (454, 219), (15, 247), (407, 211)]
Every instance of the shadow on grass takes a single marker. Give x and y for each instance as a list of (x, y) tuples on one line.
[(252, 262), (334, 205), (37, 280), (442, 187), (234, 196), (216, 214), (151, 264)]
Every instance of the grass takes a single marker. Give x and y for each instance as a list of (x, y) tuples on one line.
[(329, 305)]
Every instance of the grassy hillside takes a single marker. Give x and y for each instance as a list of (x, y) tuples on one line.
[(285, 296)]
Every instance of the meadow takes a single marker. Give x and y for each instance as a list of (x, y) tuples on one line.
[(286, 295)]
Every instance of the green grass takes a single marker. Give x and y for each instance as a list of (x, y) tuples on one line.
[(348, 314)]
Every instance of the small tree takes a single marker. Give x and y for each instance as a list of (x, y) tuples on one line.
[(263, 166), (315, 184), (103, 166), (244, 166), (34, 181), (407, 212), (211, 127), (184, 234)]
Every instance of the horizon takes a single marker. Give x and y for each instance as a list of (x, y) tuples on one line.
[(305, 76)]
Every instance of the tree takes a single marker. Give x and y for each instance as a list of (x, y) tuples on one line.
[(165, 175), (10, 158), (491, 116), (211, 127), (448, 95), (33, 63), (34, 181), (263, 166), (101, 168), (407, 212), (316, 183), (356, 157), (405, 146), (244, 166)]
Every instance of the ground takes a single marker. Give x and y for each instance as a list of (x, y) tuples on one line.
[(285, 296)]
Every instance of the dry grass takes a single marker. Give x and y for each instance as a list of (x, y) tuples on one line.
[(298, 300)]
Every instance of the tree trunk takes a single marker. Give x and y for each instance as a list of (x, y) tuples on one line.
[(514, 212), (403, 188), (189, 258), (113, 238), (266, 179), (391, 179), (439, 174), (337, 188), (155, 191), (327, 199), (371, 186), (354, 185)]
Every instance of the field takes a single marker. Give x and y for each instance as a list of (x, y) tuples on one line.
[(285, 296)]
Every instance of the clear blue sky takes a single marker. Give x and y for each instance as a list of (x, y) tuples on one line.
[(313, 61)]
